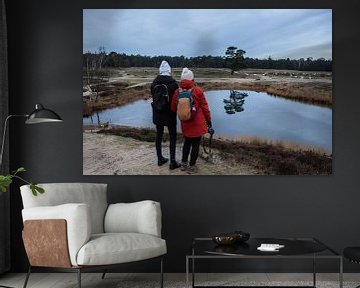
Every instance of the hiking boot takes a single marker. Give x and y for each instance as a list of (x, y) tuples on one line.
[(174, 165), (184, 166), (162, 161), (192, 169)]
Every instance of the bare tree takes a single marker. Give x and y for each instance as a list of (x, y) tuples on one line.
[(94, 63)]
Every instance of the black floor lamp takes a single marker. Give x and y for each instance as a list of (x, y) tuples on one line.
[(39, 115)]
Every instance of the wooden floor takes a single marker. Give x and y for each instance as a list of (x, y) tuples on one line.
[(118, 280)]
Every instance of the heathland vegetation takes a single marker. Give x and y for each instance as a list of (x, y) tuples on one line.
[(116, 87), (115, 79)]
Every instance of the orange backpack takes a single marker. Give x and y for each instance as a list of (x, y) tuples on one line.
[(185, 105)]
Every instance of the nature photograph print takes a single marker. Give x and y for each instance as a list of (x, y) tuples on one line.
[(207, 92)]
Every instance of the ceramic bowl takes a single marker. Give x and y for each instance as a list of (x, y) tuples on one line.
[(224, 239)]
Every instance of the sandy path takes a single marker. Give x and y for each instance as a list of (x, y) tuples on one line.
[(115, 155)]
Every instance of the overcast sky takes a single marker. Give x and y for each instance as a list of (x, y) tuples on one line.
[(279, 33)]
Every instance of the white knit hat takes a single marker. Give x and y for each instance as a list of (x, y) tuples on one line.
[(165, 68), (187, 74)]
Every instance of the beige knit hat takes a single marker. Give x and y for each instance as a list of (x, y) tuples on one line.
[(187, 74)]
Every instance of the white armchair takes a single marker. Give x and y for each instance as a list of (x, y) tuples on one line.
[(72, 228)]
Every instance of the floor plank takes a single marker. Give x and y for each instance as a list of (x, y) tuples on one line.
[(116, 280)]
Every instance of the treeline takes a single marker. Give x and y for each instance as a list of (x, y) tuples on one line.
[(115, 59)]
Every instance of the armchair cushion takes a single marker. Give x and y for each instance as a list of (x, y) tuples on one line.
[(113, 248), (138, 217), (78, 221), (93, 194)]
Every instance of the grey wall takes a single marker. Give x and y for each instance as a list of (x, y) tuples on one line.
[(45, 47), (4, 166)]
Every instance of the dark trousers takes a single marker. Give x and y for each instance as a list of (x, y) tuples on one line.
[(191, 144), (159, 138)]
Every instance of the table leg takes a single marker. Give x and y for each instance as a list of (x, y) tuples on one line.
[(187, 272), (314, 271), (193, 267), (341, 273), (193, 272)]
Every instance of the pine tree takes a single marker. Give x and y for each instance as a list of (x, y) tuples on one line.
[(235, 58)]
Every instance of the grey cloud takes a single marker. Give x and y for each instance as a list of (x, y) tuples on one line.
[(194, 32)]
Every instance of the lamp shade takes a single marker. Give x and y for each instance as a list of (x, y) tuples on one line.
[(42, 115)]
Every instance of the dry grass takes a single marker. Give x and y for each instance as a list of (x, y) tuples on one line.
[(118, 95), (279, 143), (281, 83), (276, 159), (311, 92), (271, 157), (115, 98)]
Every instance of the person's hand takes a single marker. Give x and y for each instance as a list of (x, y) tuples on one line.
[(208, 123)]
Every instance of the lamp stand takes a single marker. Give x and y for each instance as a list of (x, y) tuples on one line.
[(4, 135)]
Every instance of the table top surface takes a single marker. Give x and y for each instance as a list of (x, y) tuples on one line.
[(292, 247)]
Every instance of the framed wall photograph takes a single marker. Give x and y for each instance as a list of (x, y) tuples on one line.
[(207, 92)]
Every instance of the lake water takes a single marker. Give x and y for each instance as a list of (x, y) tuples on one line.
[(263, 116)]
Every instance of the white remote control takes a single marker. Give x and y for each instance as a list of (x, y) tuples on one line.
[(270, 247)]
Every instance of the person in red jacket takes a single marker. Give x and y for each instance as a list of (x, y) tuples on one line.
[(197, 126)]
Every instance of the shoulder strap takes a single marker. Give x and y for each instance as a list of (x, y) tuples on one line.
[(162, 84)]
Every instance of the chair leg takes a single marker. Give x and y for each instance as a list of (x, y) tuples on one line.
[(27, 277), (103, 275), (161, 273), (79, 277)]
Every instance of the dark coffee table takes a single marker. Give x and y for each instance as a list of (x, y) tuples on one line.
[(294, 248)]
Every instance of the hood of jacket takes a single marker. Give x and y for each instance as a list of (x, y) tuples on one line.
[(163, 79), (187, 84)]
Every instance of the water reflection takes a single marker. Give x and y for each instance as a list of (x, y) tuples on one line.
[(264, 116), (95, 115), (235, 103)]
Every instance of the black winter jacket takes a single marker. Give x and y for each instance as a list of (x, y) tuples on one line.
[(165, 118)]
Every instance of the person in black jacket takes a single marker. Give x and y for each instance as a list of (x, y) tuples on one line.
[(165, 117)]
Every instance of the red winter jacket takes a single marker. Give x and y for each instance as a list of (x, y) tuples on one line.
[(196, 126)]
